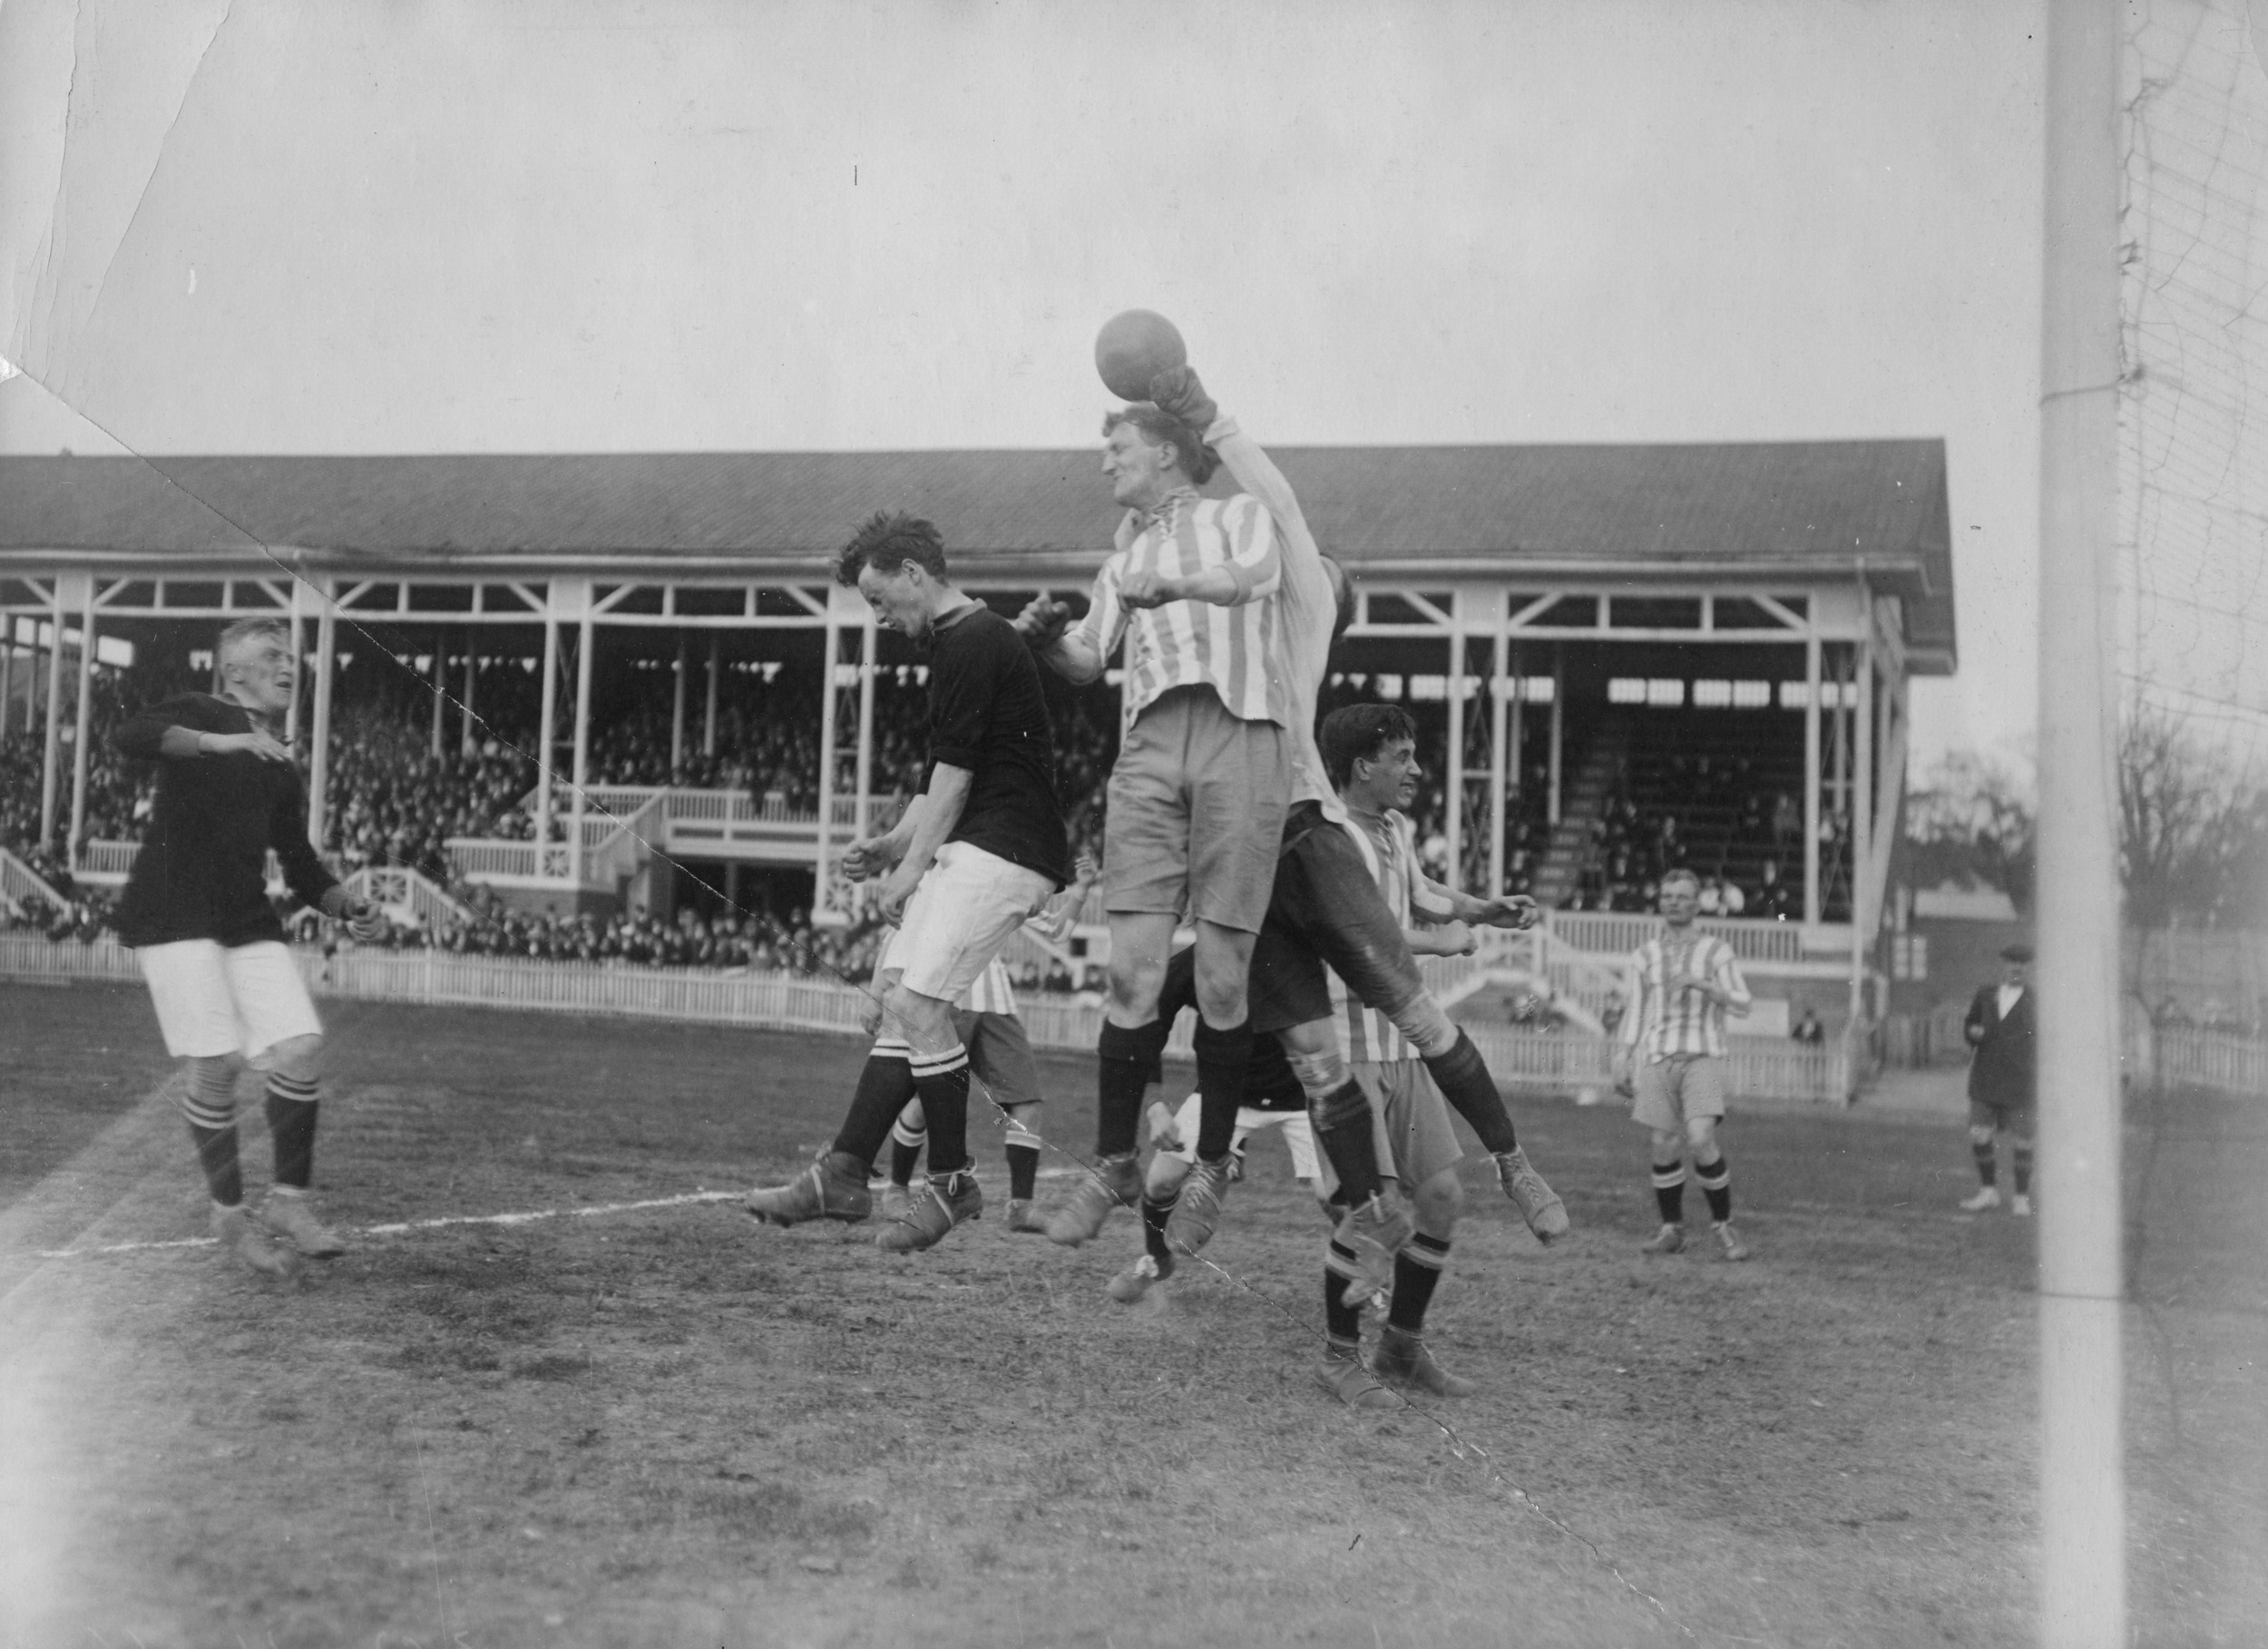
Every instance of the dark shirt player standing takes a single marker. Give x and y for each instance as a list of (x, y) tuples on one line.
[(2002, 1078), (978, 852), (196, 910)]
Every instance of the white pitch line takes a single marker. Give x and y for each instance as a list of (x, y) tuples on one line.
[(404, 1227)]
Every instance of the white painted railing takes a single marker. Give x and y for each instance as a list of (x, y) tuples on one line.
[(104, 864), (408, 896), (100, 861), (19, 881), (1759, 1070), (1617, 933)]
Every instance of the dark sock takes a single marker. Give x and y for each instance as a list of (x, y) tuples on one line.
[(291, 1124), (903, 1158), (1462, 1076), (1023, 1172), (885, 1084), (1669, 1190), (942, 1082), (1416, 1269), (215, 1154), (1222, 1055), (1124, 1056), (1155, 1211), (1343, 1323), (2020, 1164), (1717, 1184), (1986, 1174), (1343, 1126)]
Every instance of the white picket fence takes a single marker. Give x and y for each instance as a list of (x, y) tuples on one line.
[(1760, 1070)]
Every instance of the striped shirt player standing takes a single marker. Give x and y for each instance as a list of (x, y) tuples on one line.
[(1198, 796), (1682, 984)]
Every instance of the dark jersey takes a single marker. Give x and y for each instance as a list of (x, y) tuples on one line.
[(1269, 1084), (988, 715), (202, 871)]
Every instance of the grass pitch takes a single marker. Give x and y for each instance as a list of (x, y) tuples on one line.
[(665, 1426)]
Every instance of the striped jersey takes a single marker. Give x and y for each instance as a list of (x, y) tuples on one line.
[(1665, 1018), (1234, 651), (1388, 844)]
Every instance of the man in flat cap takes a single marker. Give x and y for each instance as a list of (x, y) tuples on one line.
[(2000, 1080)]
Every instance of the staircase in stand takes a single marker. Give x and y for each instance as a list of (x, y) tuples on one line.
[(1582, 803)]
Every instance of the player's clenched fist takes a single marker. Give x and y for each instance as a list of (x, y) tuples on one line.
[(866, 857), (1043, 620)]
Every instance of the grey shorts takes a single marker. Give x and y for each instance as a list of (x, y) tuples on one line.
[(1000, 1053), (1673, 1089), (1409, 1123), (1195, 814)]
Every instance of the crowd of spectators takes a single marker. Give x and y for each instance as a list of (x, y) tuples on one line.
[(1719, 813)]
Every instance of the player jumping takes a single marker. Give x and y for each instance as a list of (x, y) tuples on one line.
[(1203, 774)]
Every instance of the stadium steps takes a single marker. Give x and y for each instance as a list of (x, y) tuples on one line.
[(1581, 805)]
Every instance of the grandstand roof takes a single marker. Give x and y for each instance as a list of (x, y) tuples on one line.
[(1803, 511)]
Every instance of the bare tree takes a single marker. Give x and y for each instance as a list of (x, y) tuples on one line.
[(1973, 821)]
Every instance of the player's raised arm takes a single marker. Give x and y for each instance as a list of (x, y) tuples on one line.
[(1077, 652)]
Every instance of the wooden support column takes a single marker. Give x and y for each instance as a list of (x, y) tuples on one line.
[(870, 652), (547, 748), (1862, 834), (824, 855), (1500, 714), (468, 738), (585, 645), (299, 667), (1812, 902), (709, 726), (320, 744), (1558, 725), (84, 728), (677, 712), (1453, 782), (51, 761), (440, 683)]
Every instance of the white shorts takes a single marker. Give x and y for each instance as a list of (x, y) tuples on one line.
[(963, 911), (1298, 1135), (214, 999)]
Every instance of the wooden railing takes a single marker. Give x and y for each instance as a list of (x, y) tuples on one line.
[(1760, 1070), (19, 881)]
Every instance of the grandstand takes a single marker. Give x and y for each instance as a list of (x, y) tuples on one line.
[(1620, 658)]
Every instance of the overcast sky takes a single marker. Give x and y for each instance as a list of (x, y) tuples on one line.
[(492, 227)]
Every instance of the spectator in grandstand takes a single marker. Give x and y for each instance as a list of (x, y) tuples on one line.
[(1807, 1029), (2000, 1027)]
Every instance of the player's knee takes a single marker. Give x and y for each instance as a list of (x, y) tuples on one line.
[(1135, 983), (1437, 1201), (300, 1057), (1667, 1143), (1427, 1024), (1980, 1135), (1221, 996), (1700, 1134), (923, 1021)]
